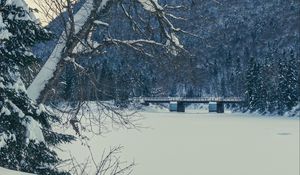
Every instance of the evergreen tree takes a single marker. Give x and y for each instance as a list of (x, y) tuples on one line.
[(264, 89), (260, 93), (143, 86), (107, 81), (124, 90), (269, 87), (223, 88), (254, 88), (281, 86), (291, 77), (26, 136), (287, 87), (298, 85)]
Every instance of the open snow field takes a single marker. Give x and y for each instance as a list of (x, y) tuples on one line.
[(205, 144)]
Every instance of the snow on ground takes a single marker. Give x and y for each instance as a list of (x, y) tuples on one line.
[(194, 143), (4, 171), (294, 112)]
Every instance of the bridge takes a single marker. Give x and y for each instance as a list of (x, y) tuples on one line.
[(216, 104)]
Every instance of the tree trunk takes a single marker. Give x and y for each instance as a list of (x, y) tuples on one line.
[(40, 89)]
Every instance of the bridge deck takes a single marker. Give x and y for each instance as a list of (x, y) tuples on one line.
[(192, 100)]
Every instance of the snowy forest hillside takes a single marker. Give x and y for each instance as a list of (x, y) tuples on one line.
[(236, 48)]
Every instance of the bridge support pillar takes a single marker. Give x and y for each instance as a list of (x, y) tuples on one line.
[(220, 107), (176, 107), (180, 107)]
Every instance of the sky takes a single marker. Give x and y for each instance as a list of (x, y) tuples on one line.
[(38, 15)]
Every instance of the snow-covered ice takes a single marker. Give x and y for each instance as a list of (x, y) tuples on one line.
[(201, 143)]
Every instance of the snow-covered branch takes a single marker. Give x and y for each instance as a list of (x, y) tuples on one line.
[(77, 38), (83, 21)]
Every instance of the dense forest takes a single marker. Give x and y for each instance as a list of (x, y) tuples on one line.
[(246, 49)]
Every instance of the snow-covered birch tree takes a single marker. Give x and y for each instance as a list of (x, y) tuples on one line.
[(85, 35), (76, 39)]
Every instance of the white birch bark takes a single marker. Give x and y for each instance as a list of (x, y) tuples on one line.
[(81, 18), (47, 72)]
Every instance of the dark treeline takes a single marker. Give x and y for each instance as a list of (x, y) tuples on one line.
[(245, 48)]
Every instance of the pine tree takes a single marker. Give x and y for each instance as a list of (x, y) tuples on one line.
[(287, 88), (260, 90), (254, 88), (269, 90), (124, 90), (26, 136), (281, 86), (291, 77), (289, 92), (264, 89), (298, 85), (107, 81)]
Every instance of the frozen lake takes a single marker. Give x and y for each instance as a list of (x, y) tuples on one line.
[(208, 144)]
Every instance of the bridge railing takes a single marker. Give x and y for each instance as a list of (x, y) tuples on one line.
[(191, 99)]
